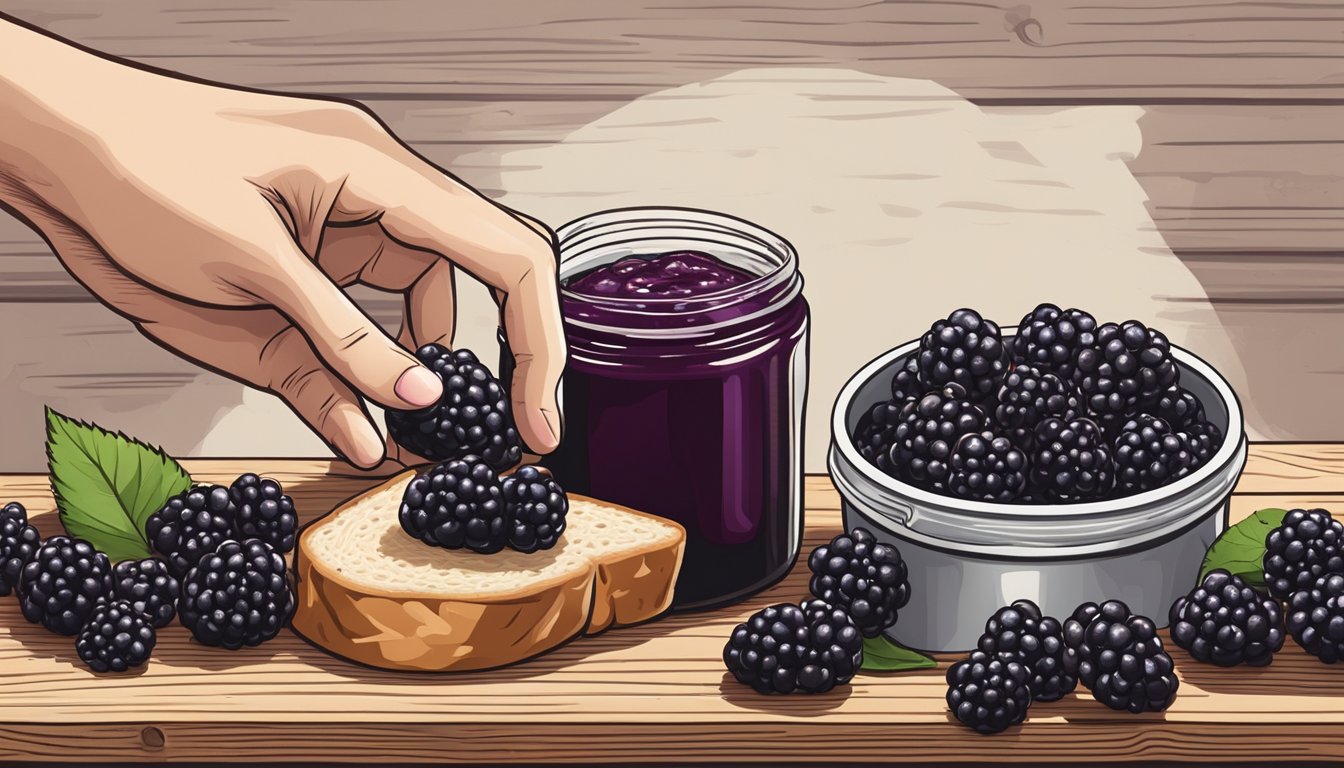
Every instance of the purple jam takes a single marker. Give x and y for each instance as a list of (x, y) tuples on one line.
[(691, 410), (682, 273)]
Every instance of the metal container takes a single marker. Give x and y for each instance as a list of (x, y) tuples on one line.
[(968, 558)]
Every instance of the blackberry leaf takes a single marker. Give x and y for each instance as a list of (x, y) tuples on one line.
[(881, 654), (107, 484), (1240, 550)]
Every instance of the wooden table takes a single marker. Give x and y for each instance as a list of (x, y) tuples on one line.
[(657, 692)]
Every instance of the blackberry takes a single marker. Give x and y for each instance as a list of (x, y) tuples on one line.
[(863, 576), (237, 595), (1202, 440), (1179, 407), (988, 694), (964, 349), (116, 638), (191, 524), (148, 587), (18, 543), (1225, 622), (1316, 618), (1071, 461), (473, 417), (877, 433), (535, 507), (1050, 338), (1124, 371), (1020, 633), (1148, 455), (1029, 395), (1308, 545), (62, 583), (987, 467), (459, 503), (264, 511), (928, 430), (1118, 656), (808, 648), (905, 385)]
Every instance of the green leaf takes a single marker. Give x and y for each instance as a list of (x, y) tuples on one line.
[(1240, 550), (106, 485), (883, 655)]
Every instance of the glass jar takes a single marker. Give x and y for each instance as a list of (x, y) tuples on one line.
[(691, 407)]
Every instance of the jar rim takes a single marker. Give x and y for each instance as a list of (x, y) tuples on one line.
[(780, 253)]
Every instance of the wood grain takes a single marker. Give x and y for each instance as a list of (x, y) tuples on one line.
[(647, 693)]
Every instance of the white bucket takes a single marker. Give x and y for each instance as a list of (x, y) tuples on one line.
[(969, 558)]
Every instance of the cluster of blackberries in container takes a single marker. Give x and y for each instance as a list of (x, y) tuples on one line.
[(462, 502), (220, 571), (1067, 410)]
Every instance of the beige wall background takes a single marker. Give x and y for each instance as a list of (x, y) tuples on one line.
[(1180, 164)]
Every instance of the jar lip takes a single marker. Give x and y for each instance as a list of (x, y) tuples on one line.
[(773, 247)]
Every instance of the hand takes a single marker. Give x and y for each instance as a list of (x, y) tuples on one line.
[(225, 223)]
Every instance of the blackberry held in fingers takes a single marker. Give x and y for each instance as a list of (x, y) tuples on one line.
[(1124, 371), (237, 595), (808, 648), (264, 511), (1225, 622), (928, 430), (19, 542), (987, 467), (1308, 545), (148, 587), (1071, 462), (62, 583), (1028, 396), (1020, 633), (191, 524), (1148, 455), (116, 638), (866, 578), (457, 504), (1120, 659), (988, 693), (1316, 618), (1050, 338), (964, 349), (535, 507), (473, 416)]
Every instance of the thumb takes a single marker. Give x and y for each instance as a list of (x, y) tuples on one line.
[(348, 341)]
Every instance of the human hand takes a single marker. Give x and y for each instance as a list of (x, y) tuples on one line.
[(224, 224)]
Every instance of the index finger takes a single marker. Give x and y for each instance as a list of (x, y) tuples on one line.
[(432, 211)]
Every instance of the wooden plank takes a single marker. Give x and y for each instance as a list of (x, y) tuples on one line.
[(1226, 184), (653, 692), (1134, 50)]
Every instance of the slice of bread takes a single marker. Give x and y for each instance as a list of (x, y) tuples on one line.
[(370, 592)]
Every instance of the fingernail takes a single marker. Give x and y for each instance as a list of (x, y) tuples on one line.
[(418, 386), (546, 427)]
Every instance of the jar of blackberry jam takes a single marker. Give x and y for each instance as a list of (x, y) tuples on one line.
[(685, 387)]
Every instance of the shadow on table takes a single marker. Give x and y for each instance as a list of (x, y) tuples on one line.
[(739, 695)]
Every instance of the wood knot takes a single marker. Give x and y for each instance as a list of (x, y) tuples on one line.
[(1030, 31), (152, 737)]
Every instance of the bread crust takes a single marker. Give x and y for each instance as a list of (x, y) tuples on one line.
[(432, 633)]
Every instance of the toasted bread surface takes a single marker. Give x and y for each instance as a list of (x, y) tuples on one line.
[(370, 592)]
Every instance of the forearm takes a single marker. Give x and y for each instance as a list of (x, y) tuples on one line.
[(50, 96)]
